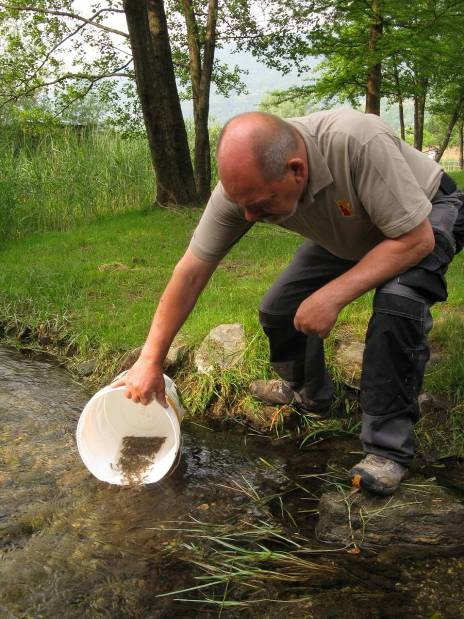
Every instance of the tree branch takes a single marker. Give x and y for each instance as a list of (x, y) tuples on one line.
[(87, 21), (93, 79)]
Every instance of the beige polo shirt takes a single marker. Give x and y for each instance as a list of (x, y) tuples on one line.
[(364, 185)]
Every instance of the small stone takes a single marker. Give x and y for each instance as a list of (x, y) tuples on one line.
[(129, 358), (175, 355), (429, 402), (86, 368), (222, 348), (203, 507)]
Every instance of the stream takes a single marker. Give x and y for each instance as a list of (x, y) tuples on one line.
[(71, 546)]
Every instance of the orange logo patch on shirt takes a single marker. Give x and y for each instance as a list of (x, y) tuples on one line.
[(345, 208)]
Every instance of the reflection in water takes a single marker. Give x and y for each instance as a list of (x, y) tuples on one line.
[(75, 547)]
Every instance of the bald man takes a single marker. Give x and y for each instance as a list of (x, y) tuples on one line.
[(376, 214)]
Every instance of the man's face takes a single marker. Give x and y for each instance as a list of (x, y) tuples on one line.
[(268, 201)]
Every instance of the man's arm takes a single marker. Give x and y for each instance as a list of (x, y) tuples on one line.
[(145, 378), (318, 313)]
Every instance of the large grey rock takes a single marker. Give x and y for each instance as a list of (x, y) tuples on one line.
[(222, 348), (422, 515)]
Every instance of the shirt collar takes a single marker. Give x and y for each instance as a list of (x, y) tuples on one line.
[(319, 175)]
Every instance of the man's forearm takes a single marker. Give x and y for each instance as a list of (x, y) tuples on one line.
[(384, 261), (175, 305)]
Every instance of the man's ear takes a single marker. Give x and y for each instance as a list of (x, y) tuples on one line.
[(297, 167)]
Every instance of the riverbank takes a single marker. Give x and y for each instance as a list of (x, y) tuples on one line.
[(88, 295)]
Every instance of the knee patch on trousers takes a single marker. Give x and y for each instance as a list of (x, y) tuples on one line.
[(399, 300)]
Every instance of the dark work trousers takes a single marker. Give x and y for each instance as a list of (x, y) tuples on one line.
[(396, 349)]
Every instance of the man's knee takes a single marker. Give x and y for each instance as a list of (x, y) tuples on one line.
[(275, 309)]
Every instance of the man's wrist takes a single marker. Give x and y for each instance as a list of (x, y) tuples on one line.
[(152, 358)]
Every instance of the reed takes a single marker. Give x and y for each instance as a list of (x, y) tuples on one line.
[(62, 178)]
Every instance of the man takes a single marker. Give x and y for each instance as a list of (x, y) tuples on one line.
[(363, 199)]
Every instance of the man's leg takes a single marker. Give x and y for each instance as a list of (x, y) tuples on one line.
[(396, 353), (394, 362), (298, 358)]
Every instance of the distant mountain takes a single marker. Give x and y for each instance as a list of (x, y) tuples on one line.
[(259, 81)]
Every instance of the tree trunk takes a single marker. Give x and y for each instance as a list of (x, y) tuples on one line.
[(449, 129), (399, 97), (157, 90), (419, 113), (201, 73), (461, 145), (374, 75)]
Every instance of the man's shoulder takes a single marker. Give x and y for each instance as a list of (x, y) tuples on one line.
[(346, 121)]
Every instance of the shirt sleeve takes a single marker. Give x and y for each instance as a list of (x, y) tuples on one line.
[(387, 188), (220, 227)]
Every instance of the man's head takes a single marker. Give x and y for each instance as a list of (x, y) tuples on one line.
[(263, 165)]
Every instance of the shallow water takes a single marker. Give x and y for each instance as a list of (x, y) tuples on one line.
[(71, 546)]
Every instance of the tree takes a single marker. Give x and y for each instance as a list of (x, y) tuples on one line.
[(38, 34), (369, 48), (156, 85)]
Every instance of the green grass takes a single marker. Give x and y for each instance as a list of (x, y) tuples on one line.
[(99, 284), (458, 177), (60, 179)]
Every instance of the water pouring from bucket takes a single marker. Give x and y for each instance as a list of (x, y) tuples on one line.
[(125, 443)]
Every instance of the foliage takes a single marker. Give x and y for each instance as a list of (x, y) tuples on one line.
[(52, 47), (285, 104), (418, 49)]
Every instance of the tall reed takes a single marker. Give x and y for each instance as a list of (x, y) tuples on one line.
[(64, 177)]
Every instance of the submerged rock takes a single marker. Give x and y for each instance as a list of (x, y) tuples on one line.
[(420, 515), (222, 348)]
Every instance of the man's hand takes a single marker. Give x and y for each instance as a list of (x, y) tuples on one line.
[(144, 381), (317, 314)]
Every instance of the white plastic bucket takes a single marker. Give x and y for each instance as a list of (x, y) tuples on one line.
[(109, 416)]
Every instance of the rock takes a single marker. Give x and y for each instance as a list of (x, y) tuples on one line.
[(222, 348), (421, 515), (349, 359), (86, 368), (429, 403), (176, 353), (129, 358)]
